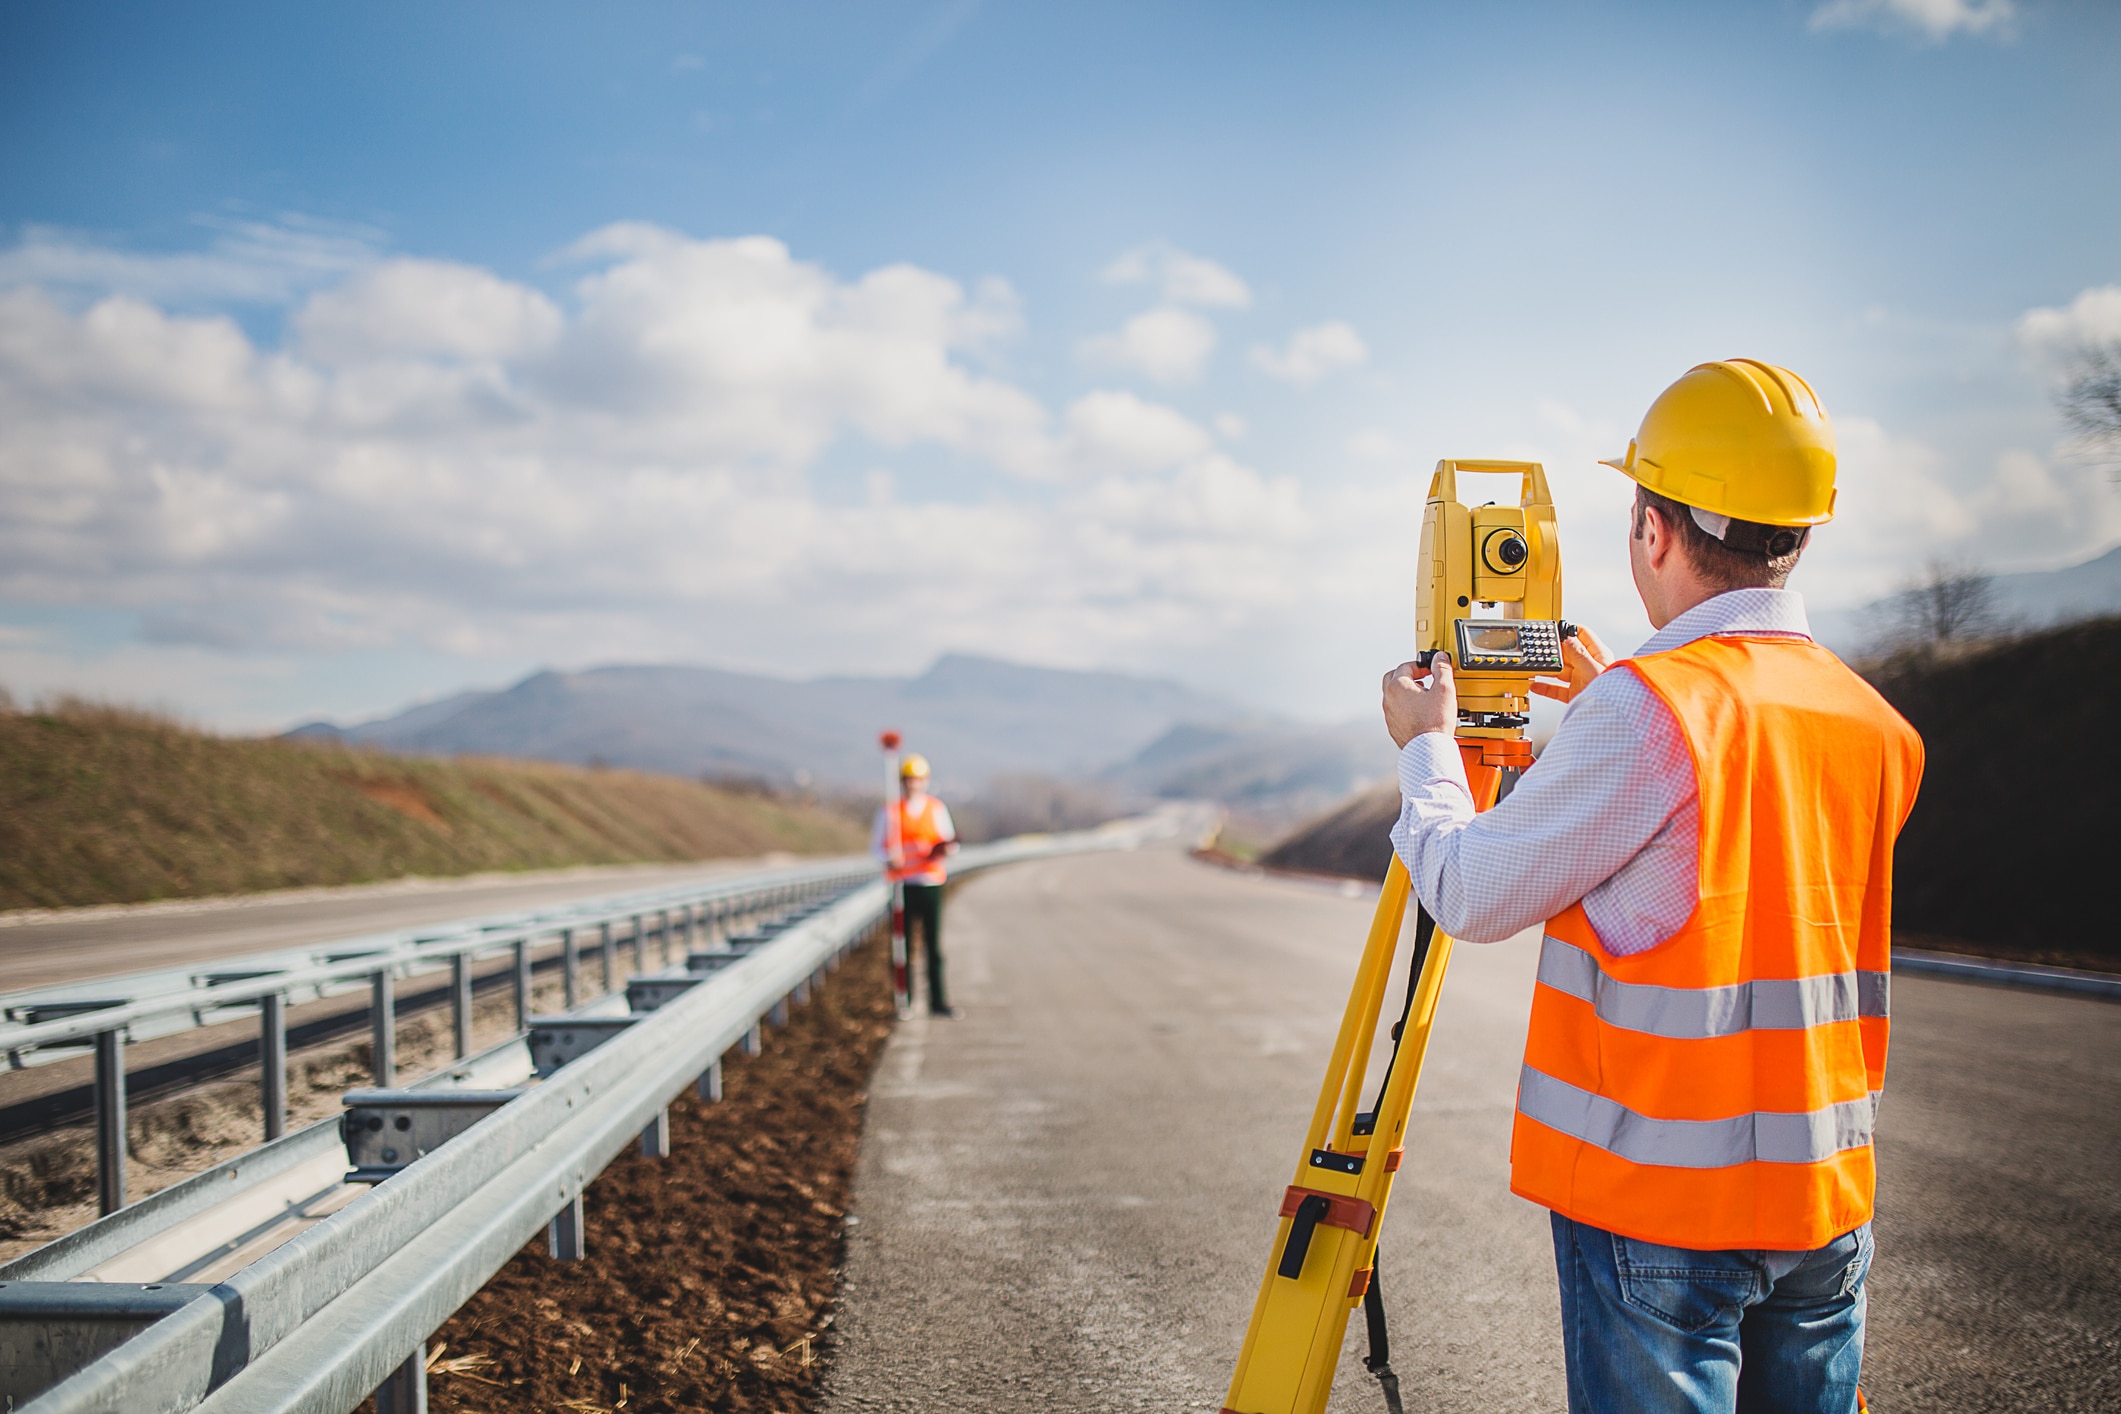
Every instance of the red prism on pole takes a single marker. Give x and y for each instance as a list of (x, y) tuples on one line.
[(901, 980)]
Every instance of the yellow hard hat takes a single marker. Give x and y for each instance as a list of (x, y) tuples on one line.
[(1738, 438), (915, 765)]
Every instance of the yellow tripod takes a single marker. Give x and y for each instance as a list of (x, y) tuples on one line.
[(1489, 592), (1324, 1254)]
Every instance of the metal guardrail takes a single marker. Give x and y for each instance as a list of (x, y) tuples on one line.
[(345, 1307), (105, 1014)]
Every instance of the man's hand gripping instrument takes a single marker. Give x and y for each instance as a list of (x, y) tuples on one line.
[(1490, 593)]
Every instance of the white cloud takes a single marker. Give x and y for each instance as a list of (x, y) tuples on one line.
[(248, 262), (425, 307), (1902, 503), (439, 460), (1231, 427), (1934, 20), (2051, 336), (1312, 354), (1167, 344), (1111, 431), (1179, 277)]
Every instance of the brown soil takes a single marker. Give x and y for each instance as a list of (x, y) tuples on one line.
[(712, 1275)]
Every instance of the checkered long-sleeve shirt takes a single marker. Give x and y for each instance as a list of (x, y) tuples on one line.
[(1610, 814)]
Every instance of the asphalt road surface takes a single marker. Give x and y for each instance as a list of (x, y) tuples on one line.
[(1066, 1197), (45, 948)]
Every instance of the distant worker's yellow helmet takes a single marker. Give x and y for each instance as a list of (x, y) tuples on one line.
[(1739, 438), (914, 767)]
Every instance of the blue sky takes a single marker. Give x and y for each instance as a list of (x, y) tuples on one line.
[(352, 355)]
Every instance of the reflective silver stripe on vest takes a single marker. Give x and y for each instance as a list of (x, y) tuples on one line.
[(1764, 1137), (1693, 1013)]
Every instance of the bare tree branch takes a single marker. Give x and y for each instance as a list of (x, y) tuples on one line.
[(1948, 603), (2091, 400)]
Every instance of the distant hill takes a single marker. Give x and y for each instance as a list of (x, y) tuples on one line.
[(1995, 859), (2035, 599), (101, 805), (976, 717), (1274, 772), (1354, 840), (2012, 837)]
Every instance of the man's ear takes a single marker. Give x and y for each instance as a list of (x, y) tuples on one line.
[(1658, 542)]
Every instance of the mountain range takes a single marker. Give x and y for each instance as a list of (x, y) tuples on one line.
[(978, 718)]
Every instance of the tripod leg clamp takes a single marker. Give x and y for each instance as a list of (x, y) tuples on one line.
[(1312, 1208)]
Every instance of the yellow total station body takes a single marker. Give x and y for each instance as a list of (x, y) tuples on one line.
[(1490, 592)]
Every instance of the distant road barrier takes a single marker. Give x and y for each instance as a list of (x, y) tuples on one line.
[(344, 1307), (2008, 974)]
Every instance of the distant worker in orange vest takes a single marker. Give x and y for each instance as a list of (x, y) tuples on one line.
[(926, 839), (1708, 844)]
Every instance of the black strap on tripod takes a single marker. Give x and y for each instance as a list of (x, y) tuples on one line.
[(1424, 932), (1379, 1361)]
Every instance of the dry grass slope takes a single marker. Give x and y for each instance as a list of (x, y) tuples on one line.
[(104, 805)]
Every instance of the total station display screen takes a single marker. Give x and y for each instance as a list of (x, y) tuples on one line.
[(1493, 638), (1510, 645)]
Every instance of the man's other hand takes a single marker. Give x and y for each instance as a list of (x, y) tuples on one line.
[(1583, 658), (1419, 699)]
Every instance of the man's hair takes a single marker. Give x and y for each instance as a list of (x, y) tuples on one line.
[(1744, 558)]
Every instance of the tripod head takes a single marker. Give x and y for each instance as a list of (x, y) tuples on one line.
[(1490, 595)]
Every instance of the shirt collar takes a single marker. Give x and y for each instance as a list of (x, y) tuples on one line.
[(1734, 611)]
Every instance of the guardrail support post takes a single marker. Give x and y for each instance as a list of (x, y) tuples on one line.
[(710, 1084), (655, 1139), (272, 1063), (564, 1236), (522, 984), (405, 1391), (662, 936), (382, 1029), (460, 1001), (802, 991), (640, 943), (779, 1015), (754, 1040), (110, 1121), (605, 948), (570, 963)]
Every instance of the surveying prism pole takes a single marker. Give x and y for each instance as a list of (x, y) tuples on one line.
[(894, 848), (1490, 594)]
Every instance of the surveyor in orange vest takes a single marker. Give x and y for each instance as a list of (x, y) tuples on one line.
[(926, 840), (1708, 842)]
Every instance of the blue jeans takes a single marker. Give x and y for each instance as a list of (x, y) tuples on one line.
[(1676, 1331)]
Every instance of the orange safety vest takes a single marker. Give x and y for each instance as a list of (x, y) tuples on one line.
[(918, 832), (1719, 1090)]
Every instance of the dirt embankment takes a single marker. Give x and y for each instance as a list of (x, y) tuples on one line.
[(712, 1275), (2010, 848), (1354, 840), (101, 805), (2007, 852)]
